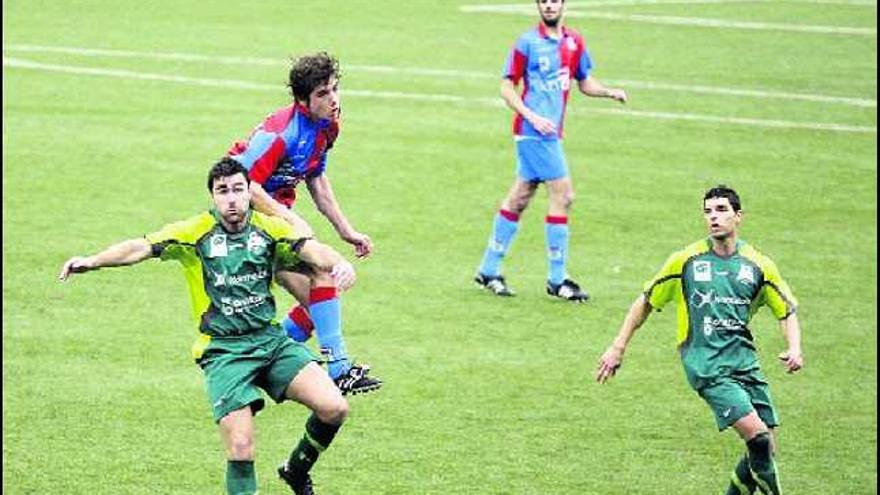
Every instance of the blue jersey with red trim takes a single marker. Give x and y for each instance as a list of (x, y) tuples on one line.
[(546, 66), (284, 149)]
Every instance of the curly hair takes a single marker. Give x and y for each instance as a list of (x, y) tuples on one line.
[(310, 71)]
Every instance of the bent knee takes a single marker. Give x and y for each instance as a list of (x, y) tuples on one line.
[(334, 411)]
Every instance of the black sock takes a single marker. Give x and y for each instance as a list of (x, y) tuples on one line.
[(762, 465), (317, 438), (741, 481)]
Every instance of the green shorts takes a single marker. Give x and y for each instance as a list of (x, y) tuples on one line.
[(236, 366), (733, 397)]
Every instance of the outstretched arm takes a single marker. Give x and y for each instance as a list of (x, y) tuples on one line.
[(592, 87), (264, 203), (613, 356), (514, 101), (125, 253), (325, 201), (792, 358)]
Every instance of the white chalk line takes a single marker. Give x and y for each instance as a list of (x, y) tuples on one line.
[(529, 10), (450, 73), (17, 63)]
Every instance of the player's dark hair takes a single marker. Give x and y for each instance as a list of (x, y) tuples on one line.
[(722, 191), (310, 71), (226, 167)]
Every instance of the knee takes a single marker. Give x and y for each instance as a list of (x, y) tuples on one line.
[(568, 200), (333, 412), (241, 446), (323, 279)]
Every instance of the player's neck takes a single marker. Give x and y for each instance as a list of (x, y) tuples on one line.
[(555, 31), (724, 247)]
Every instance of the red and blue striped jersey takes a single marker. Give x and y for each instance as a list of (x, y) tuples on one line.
[(546, 66), (287, 147)]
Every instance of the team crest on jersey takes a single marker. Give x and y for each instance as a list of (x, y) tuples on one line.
[(746, 275), (702, 271), (256, 243), (572, 45), (218, 247)]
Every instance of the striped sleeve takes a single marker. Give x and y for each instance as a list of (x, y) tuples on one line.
[(517, 60)]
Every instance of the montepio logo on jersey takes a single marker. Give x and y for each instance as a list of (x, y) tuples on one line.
[(256, 243), (218, 246), (746, 275), (702, 271), (552, 82), (221, 279)]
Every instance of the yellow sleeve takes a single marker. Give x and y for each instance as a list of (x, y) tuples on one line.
[(283, 235), (178, 239), (662, 287), (775, 292)]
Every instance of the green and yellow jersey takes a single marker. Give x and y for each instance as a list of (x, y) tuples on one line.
[(229, 274), (716, 297)]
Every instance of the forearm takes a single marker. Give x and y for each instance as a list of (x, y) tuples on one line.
[(791, 331), (124, 253), (593, 88), (635, 317), (513, 99)]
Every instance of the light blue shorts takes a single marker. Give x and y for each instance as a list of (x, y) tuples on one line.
[(540, 160)]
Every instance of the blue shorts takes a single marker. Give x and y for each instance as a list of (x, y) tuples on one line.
[(540, 160)]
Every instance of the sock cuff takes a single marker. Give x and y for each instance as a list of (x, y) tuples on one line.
[(320, 433), (551, 219), (321, 294), (509, 215), (300, 316)]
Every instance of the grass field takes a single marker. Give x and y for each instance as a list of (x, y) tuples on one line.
[(113, 112)]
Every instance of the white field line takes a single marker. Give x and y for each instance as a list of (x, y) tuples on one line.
[(450, 73), (675, 20), (17, 63)]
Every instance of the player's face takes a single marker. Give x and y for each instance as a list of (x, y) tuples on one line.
[(324, 100), (231, 198), (721, 220), (551, 11)]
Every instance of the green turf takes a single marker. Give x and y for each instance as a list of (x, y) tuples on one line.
[(483, 395)]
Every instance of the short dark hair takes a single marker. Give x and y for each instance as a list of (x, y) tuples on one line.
[(226, 167), (722, 191), (310, 71)]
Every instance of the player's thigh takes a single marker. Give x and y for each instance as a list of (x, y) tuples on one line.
[(231, 373), (729, 402), (313, 388), (540, 160), (296, 281), (289, 358)]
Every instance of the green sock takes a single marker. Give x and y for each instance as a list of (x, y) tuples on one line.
[(240, 478), (316, 439), (741, 481), (762, 466)]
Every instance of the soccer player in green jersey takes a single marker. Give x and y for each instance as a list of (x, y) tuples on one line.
[(229, 255), (718, 284)]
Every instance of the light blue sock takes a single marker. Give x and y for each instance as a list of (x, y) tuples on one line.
[(326, 313), (503, 232), (556, 230)]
